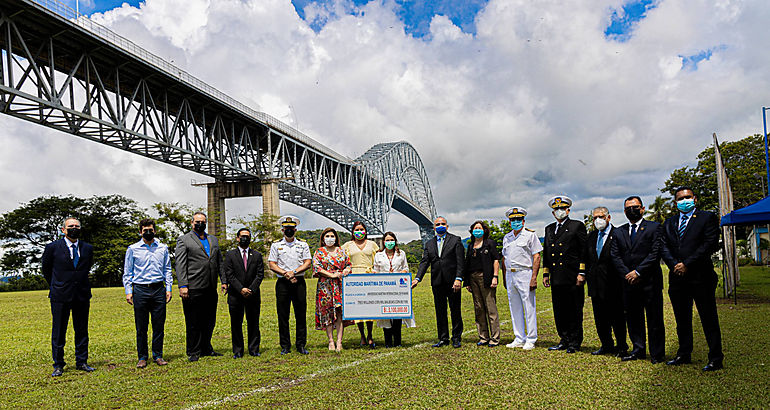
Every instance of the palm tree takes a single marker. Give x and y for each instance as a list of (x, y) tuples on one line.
[(660, 209)]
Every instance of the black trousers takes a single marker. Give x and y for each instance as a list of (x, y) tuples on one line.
[(682, 299), (286, 294), (250, 306), (568, 301), (393, 335), (150, 301), (609, 317), (60, 313), (641, 301), (442, 295), (200, 316)]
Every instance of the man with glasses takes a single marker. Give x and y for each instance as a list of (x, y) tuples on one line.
[(147, 281), (66, 264), (636, 255), (445, 255)]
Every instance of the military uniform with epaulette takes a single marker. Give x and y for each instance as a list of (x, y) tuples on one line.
[(564, 266)]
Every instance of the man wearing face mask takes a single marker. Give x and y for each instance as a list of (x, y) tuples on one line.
[(197, 268), (605, 286), (636, 255), (688, 241), (66, 264), (147, 281), (521, 263), (445, 255), (244, 271), (289, 258), (564, 272)]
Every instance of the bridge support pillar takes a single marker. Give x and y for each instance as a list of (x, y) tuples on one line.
[(270, 202), (217, 217)]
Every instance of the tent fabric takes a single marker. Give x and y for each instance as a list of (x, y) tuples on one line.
[(756, 213)]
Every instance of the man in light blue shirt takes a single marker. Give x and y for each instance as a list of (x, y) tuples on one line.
[(147, 280)]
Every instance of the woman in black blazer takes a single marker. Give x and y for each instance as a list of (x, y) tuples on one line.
[(482, 262)]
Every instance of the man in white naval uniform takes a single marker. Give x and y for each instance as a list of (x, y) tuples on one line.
[(521, 263)]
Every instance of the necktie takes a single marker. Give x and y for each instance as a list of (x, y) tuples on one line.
[(599, 244), (682, 226), (245, 259), (75, 256), (633, 232), (558, 229), (440, 245)]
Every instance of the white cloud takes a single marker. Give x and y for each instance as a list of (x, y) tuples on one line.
[(538, 103)]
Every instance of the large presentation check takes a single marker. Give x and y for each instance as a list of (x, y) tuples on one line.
[(377, 296)]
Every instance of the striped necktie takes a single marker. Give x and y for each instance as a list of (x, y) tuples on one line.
[(682, 226)]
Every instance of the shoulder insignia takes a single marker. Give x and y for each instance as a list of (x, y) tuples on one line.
[(531, 230)]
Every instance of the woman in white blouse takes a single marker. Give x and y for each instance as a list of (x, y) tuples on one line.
[(392, 259)]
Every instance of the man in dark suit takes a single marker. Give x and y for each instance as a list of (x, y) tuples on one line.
[(66, 265), (605, 286), (635, 252), (445, 255), (564, 272), (197, 267), (688, 241), (244, 271)]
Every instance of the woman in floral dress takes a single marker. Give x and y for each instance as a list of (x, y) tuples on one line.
[(330, 264)]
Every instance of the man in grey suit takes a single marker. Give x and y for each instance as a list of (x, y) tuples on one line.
[(197, 267)]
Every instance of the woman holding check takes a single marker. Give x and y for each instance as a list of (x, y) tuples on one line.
[(361, 252), (330, 264), (392, 260)]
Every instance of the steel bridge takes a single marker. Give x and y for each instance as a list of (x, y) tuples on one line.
[(61, 70)]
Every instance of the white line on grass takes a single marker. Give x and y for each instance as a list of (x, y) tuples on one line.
[(310, 376)]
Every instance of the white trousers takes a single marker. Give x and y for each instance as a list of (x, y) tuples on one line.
[(521, 302)]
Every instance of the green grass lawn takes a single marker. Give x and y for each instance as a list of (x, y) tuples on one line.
[(412, 376)]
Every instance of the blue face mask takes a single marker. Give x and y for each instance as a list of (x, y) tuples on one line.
[(517, 225), (478, 233), (685, 205), (441, 230)]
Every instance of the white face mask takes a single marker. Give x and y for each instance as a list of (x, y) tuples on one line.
[(560, 213), (600, 223), (330, 240)]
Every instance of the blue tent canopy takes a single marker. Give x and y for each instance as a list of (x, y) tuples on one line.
[(756, 213)]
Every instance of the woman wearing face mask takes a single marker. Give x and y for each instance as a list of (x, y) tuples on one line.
[(330, 264), (482, 262), (392, 259), (361, 252)]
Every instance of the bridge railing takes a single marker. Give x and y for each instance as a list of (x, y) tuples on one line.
[(81, 20)]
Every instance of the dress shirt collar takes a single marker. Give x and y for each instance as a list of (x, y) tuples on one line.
[(440, 237), (241, 250), (70, 243), (150, 245), (637, 223), (689, 214)]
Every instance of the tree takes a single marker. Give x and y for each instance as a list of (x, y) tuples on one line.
[(660, 209), (742, 159)]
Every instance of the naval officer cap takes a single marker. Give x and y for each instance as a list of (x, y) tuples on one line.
[(560, 201), (516, 212), (289, 220)]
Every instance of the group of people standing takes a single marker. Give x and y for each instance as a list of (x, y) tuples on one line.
[(621, 267)]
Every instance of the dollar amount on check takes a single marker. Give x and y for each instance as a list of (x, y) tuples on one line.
[(377, 296)]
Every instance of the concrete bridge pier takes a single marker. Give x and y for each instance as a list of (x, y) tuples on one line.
[(220, 190)]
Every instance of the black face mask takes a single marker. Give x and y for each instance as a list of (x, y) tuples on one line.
[(73, 233), (200, 227), (633, 214), (244, 241), (148, 236), (289, 232)]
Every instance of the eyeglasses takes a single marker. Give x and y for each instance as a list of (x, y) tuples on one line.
[(635, 207)]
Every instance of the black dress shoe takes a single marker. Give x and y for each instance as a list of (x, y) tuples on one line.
[(302, 350), (571, 350), (656, 360), (632, 356), (237, 356), (441, 343), (85, 367), (621, 354), (193, 358), (456, 344), (559, 346), (713, 365), (679, 360), (57, 371), (482, 343), (214, 354), (601, 350), (256, 354), (285, 351)]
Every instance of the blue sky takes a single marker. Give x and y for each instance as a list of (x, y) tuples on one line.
[(624, 20)]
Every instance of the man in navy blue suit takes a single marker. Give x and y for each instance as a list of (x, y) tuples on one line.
[(66, 265)]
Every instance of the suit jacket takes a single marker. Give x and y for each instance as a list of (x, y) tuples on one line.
[(66, 282), (489, 255), (194, 268), (446, 267), (564, 253), (641, 255), (601, 276), (239, 277), (699, 242)]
